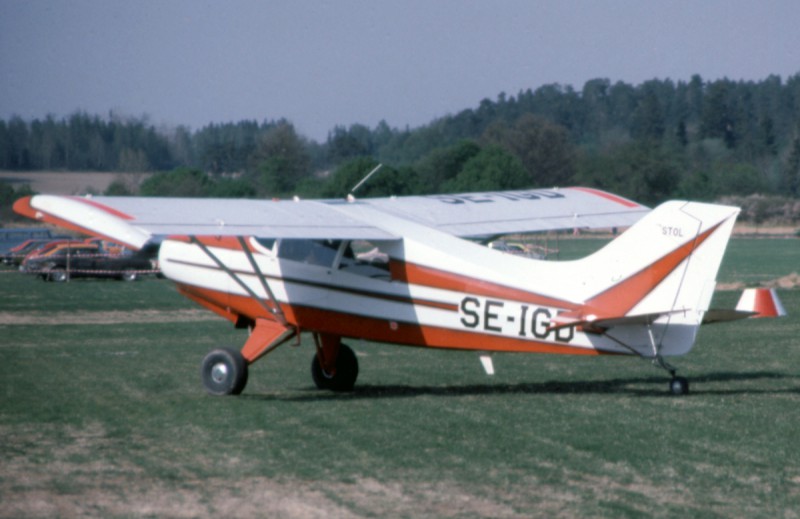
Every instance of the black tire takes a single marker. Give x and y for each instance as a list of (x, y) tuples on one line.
[(346, 371), (224, 372), (129, 275), (57, 275), (679, 386)]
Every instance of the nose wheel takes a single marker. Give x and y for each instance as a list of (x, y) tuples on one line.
[(224, 372)]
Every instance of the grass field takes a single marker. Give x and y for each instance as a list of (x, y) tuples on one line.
[(110, 419)]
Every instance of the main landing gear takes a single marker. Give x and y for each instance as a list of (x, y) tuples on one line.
[(343, 375), (334, 367)]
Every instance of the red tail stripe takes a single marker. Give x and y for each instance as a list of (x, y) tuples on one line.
[(622, 297)]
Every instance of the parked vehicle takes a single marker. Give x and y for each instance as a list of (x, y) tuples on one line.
[(44, 248), (15, 255), (10, 238), (74, 260)]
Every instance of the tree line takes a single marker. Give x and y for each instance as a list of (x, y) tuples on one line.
[(656, 140)]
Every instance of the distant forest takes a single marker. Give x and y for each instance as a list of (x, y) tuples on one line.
[(657, 140)]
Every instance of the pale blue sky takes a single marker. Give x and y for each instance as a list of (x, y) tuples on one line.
[(323, 63)]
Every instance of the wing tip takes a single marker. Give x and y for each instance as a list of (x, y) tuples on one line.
[(24, 208)]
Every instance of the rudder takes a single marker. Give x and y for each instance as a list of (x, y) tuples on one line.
[(666, 262)]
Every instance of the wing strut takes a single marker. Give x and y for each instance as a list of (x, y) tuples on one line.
[(277, 311), (276, 308)]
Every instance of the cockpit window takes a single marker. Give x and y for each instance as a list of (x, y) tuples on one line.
[(366, 259), (267, 243), (314, 252)]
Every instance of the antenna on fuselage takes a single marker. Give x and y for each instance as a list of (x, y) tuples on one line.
[(351, 197)]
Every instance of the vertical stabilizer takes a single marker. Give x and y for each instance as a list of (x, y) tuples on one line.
[(662, 270)]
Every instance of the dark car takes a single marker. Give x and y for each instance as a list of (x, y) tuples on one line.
[(88, 260), (10, 238), (16, 255)]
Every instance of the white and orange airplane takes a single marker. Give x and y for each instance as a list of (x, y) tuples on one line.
[(413, 271)]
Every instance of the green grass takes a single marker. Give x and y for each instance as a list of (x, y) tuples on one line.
[(111, 420), (750, 261)]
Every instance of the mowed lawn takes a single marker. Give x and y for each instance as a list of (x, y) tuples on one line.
[(102, 414)]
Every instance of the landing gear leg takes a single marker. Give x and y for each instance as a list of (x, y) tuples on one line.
[(678, 385), (224, 371)]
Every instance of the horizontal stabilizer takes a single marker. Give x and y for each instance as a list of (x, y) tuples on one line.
[(592, 322), (754, 302), (763, 302), (725, 315)]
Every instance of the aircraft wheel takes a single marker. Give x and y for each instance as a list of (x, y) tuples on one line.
[(224, 372), (346, 371), (679, 386)]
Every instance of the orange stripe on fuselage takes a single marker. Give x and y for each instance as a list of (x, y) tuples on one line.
[(412, 273), (453, 307), (344, 324)]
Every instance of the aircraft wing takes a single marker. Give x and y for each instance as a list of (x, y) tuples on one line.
[(470, 215), (135, 220)]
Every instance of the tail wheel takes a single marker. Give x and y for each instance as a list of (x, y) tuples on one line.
[(679, 386), (346, 371), (224, 372)]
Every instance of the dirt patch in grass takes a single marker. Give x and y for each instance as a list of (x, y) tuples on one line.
[(787, 282), (247, 497), (69, 471), (110, 317), (764, 231)]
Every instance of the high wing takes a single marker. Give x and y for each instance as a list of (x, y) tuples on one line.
[(135, 220), (470, 215)]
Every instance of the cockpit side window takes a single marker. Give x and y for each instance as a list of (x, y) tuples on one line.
[(365, 258), (314, 252), (263, 245)]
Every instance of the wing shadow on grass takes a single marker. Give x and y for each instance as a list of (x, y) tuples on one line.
[(708, 384)]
